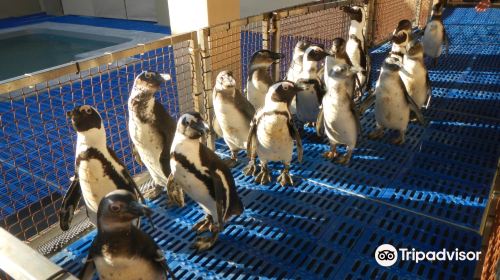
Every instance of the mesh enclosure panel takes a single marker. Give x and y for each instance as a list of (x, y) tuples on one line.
[(37, 151), (387, 15), (232, 46), (319, 27), (424, 12)]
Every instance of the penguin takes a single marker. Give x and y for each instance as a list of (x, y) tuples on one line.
[(401, 37), (259, 80), (308, 99), (435, 34), (295, 69), (415, 76), (356, 44), (233, 113), (152, 131), (204, 177), (338, 55), (272, 133), (393, 103), (341, 119), (98, 171), (293, 73), (121, 250)]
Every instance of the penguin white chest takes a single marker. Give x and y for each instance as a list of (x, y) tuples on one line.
[(94, 182), (433, 39), (391, 108), (352, 50), (149, 145), (135, 268), (341, 127), (274, 140), (307, 104), (256, 91), (234, 125), (414, 78)]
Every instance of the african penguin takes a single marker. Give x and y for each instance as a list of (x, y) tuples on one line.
[(259, 80), (392, 102), (414, 74), (272, 133), (356, 44), (204, 177), (295, 68), (152, 130), (121, 250), (401, 37), (337, 55), (98, 171), (435, 34), (341, 118), (233, 113), (311, 91)]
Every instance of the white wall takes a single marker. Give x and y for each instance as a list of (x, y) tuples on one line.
[(255, 7), (124, 9)]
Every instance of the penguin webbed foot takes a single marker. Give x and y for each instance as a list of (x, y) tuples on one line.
[(285, 178), (344, 160), (330, 155), (175, 195), (203, 225), (400, 140), (204, 243), (376, 134), (263, 177), (250, 169)]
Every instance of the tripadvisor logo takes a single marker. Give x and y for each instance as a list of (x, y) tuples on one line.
[(387, 255)]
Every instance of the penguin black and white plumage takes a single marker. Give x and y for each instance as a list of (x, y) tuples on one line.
[(308, 99), (338, 55), (152, 131), (121, 250), (259, 80), (233, 113), (392, 102), (401, 37), (98, 171), (204, 177), (272, 133), (341, 119), (414, 74), (356, 44), (435, 34)]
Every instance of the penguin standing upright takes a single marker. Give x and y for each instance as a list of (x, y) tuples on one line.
[(338, 55), (401, 37), (356, 44), (414, 74), (272, 133), (341, 119), (233, 112), (259, 80), (435, 34), (120, 250), (98, 171), (392, 102), (308, 99), (295, 68), (152, 130), (204, 177)]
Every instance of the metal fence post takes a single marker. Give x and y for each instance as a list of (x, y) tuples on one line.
[(266, 43), (275, 30), (205, 70), (198, 85), (370, 27)]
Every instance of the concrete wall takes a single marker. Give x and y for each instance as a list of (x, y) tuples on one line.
[(255, 7), (17, 8)]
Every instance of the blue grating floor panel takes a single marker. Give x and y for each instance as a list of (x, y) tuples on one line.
[(428, 194)]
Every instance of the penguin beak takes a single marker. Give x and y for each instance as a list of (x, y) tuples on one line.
[(201, 127), (166, 77), (277, 56), (138, 209)]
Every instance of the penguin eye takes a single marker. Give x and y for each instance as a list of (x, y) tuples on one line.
[(148, 75), (285, 86), (114, 208), (88, 111)]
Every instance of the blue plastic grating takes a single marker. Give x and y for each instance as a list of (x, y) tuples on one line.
[(423, 195)]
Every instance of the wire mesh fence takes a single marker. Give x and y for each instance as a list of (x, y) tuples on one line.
[(387, 14), (37, 151)]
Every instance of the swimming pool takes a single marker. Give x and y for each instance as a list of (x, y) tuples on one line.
[(36, 47)]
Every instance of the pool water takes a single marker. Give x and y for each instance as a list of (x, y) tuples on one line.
[(28, 53)]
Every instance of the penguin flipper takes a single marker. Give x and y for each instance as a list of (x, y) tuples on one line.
[(320, 128), (446, 40), (88, 270), (136, 155), (412, 104), (216, 127), (355, 113), (131, 185), (295, 134), (162, 261), (429, 89), (167, 127), (219, 197), (252, 135), (69, 204)]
